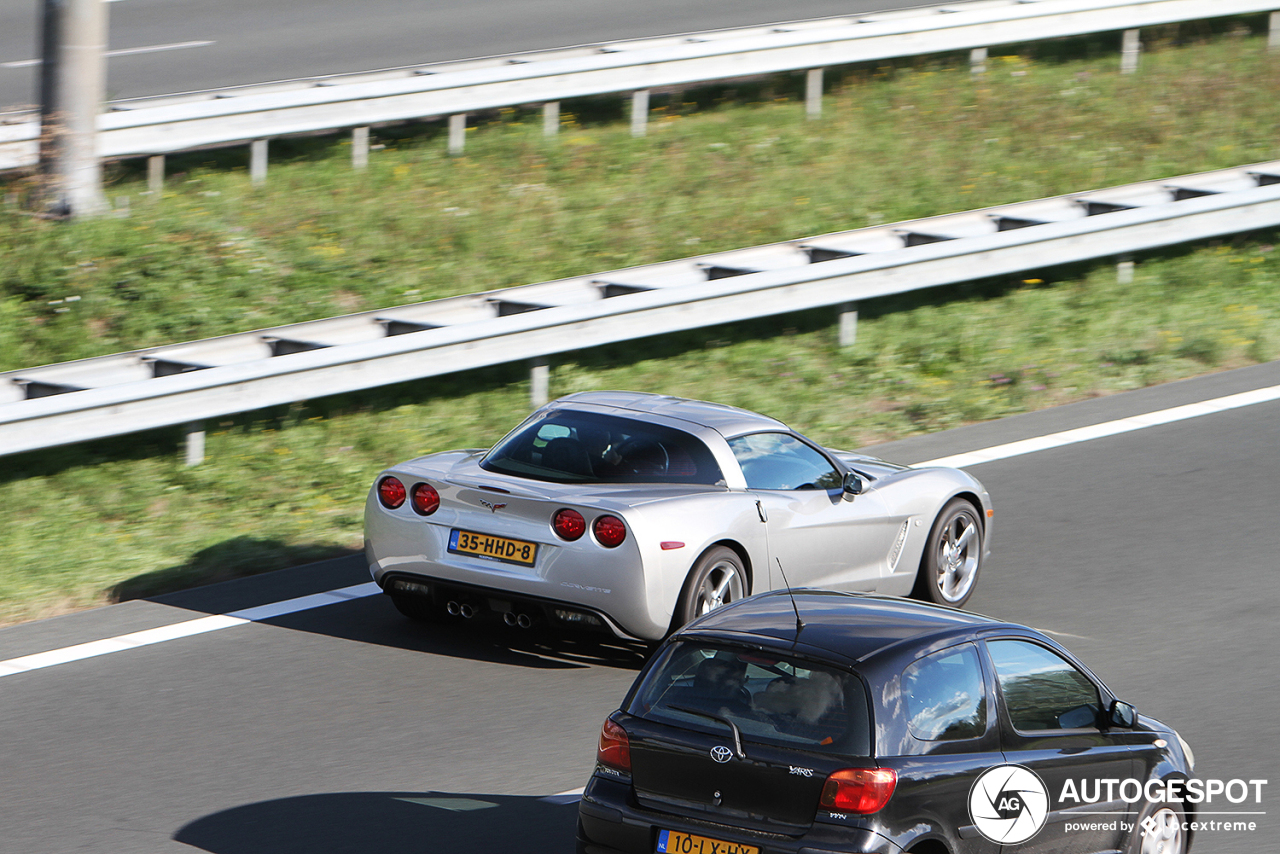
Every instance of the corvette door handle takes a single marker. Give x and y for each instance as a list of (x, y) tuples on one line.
[(764, 517)]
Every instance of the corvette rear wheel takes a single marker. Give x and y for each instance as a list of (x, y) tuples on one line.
[(717, 579), (952, 556)]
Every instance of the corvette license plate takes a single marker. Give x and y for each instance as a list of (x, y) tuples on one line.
[(491, 546), (686, 843)]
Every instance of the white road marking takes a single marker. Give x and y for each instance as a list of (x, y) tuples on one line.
[(184, 629), (1109, 428), (358, 591), (125, 51)]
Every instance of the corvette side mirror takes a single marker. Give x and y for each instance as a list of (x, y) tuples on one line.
[(852, 484), (1122, 714)]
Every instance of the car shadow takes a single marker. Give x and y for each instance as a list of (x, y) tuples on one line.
[(374, 620), (389, 823)]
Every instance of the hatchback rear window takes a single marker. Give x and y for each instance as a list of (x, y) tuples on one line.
[(771, 699)]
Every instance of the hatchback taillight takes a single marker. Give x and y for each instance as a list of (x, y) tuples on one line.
[(391, 492), (568, 524), (425, 499), (859, 790), (615, 748), (609, 531)]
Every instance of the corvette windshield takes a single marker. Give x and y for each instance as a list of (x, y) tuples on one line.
[(770, 698), (569, 446)]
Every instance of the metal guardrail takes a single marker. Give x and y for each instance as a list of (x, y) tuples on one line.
[(160, 125), (183, 383)]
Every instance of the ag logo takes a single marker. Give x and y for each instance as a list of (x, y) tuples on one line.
[(1008, 804)]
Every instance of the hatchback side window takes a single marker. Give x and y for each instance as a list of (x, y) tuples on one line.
[(781, 461), (945, 694), (1041, 689)]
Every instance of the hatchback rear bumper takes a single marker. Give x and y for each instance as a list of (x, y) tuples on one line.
[(609, 822)]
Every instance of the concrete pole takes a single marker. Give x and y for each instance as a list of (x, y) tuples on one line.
[(1273, 32), (551, 118), (1124, 269), (813, 93), (359, 148), (457, 133), (848, 324), (539, 382), (978, 60), (258, 161), (155, 174), (73, 78), (194, 432), (639, 112), (1130, 48)]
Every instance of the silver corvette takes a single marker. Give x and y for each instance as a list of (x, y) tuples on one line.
[(633, 513)]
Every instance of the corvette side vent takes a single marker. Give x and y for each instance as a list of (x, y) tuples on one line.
[(895, 553)]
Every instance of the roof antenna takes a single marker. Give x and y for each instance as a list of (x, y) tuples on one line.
[(790, 595)]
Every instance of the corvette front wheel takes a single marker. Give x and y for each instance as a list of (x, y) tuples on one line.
[(952, 556)]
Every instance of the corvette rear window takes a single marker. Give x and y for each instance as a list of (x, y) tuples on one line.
[(569, 446), (771, 699)]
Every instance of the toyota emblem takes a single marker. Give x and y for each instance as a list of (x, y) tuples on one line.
[(721, 754)]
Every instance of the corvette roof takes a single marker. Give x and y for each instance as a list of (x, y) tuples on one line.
[(727, 420)]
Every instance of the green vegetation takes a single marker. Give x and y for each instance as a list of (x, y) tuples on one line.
[(121, 518)]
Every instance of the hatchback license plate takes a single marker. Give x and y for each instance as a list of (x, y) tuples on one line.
[(491, 546), (675, 842)]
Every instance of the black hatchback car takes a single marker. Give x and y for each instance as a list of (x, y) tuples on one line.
[(836, 722)]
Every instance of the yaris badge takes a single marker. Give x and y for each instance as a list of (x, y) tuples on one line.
[(721, 754)]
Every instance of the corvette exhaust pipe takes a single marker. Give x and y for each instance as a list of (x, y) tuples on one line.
[(524, 621), (509, 618), (467, 611)]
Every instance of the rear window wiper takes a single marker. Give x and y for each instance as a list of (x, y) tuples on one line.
[(737, 735)]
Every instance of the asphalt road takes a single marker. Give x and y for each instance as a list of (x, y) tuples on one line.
[(256, 41), (1153, 554)]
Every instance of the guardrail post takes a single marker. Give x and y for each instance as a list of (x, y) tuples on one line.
[(539, 381), (813, 93), (1273, 32), (457, 133), (194, 432), (978, 60), (359, 148), (639, 112), (551, 118), (1124, 269), (848, 324), (1130, 48), (155, 174), (258, 161)]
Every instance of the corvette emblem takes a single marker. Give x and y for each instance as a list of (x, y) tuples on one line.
[(721, 754), (493, 508)]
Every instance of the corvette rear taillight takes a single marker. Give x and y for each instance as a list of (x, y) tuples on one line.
[(609, 531), (859, 790), (615, 748), (568, 524), (391, 492), (425, 499)]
